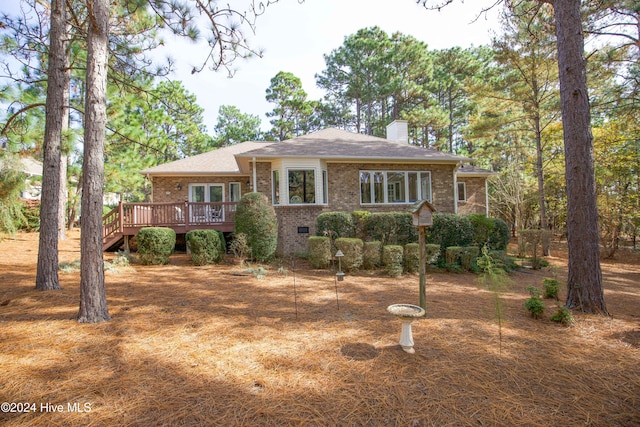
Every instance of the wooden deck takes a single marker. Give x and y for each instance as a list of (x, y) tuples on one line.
[(128, 218)]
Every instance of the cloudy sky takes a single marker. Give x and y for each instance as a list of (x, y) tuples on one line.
[(295, 36)]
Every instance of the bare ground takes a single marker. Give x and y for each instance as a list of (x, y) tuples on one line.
[(214, 345)]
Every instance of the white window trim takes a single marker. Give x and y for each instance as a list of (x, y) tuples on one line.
[(464, 190), (315, 185), (206, 186), (239, 189), (385, 191)]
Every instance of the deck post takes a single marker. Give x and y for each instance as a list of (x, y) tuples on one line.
[(120, 217)]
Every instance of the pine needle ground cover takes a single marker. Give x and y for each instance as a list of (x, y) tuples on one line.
[(213, 345)]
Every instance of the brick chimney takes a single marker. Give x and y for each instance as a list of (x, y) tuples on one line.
[(398, 131)]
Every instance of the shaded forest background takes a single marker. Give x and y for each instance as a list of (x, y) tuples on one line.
[(499, 104)]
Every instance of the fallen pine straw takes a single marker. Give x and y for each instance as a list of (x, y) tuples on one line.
[(207, 346)]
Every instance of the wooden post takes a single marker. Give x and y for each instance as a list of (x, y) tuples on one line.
[(423, 269)]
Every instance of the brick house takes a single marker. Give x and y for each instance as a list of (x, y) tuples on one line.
[(328, 170)]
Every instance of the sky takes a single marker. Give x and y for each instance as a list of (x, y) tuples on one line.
[(295, 36)]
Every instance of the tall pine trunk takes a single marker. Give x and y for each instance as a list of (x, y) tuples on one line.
[(584, 283), (93, 298), (47, 269)]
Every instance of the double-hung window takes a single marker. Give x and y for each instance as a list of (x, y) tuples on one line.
[(393, 187)]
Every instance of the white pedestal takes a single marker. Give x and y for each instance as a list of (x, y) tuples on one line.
[(406, 337)]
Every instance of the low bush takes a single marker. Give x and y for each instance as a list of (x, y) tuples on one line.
[(392, 259), (205, 246), (319, 251), (551, 288), (352, 250), (155, 245), (453, 255), (534, 304), (468, 258), (371, 255), (412, 258), (433, 252), (562, 315)]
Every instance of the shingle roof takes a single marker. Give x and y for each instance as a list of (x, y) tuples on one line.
[(327, 144), (470, 170), (220, 161), (334, 143)]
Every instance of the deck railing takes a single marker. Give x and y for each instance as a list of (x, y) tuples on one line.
[(182, 215)]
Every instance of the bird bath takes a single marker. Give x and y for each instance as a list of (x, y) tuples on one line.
[(407, 313)]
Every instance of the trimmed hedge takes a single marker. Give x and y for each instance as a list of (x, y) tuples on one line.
[(256, 218), (468, 257), (155, 245), (206, 246), (372, 255), (394, 228), (352, 250), (392, 259), (319, 251), (412, 258), (360, 221), (450, 230), (432, 252), (335, 225)]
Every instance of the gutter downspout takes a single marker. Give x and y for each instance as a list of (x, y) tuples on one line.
[(486, 196), (255, 176), (455, 188)]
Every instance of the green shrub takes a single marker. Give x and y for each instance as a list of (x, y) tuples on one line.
[(319, 251), (482, 229), (453, 255), (432, 251), (352, 250), (500, 236), (360, 219), (450, 230), (205, 246), (551, 288), (534, 305), (155, 245), (256, 218), (392, 259), (508, 263), (406, 232), (412, 258), (563, 315), (335, 225), (381, 226), (371, 255), (468, 257)]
